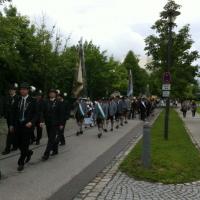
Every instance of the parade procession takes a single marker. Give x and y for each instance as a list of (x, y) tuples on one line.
[(28, 112)]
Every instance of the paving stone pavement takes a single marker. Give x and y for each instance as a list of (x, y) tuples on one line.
[(111, 184)]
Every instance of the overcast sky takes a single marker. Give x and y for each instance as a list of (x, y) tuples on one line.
[(114, 25)]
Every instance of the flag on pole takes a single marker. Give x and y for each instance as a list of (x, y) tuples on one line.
[(130, 84), (80, 86)]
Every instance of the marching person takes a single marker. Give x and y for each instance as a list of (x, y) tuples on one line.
[(134, 106), (123, 109), (11, 139), (23, 119), (117, 114), (104, 105), (100, 117), (80, 112), (40, 107), (65, 108), (143, 109), (54, 120), (112, 110)]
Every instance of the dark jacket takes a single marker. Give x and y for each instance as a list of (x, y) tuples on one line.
[(53, 114), (8, 107), (40, 108), (30, 113)]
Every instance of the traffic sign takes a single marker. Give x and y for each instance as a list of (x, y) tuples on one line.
[(167, 78), (166, 87), (166, 93)]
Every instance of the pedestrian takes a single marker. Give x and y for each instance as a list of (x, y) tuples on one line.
[(23, 119), (66, 111), (40, 107), (134, 108), (100, 117), (193, 108), (104, 105), (80, 113), (143, 109), (112, 110), (11, 139), (184, 108), (54, 120), (117, 114)]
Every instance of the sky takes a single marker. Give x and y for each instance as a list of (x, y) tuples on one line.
[(115, 25)]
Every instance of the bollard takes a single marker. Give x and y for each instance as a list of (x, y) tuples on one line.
[(146, 148)]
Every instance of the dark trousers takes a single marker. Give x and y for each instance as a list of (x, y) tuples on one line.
[(143, 115), (53, 140), (11, 140), (61, 135), (24, 136), (39, 132)]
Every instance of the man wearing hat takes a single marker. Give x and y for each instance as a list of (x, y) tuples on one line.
[(54, 119), (23, 119), (11, 139)]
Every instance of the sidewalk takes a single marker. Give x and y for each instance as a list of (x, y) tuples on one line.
[(66, 174), (111, 184), (192, 124)]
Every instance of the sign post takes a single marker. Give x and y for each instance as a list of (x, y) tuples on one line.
[(166, 87)]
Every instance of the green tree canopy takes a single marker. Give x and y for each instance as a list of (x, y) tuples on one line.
[(183, 69)]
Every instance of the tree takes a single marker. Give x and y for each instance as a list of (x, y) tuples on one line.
[(140, 76), (3, 1), (183, 69)]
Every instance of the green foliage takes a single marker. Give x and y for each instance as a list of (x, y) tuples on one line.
[(37, 55), (173, 161), (140, 76), (183, 69)]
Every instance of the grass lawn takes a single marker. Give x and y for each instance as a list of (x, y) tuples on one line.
[(173, 161), (198, 110)]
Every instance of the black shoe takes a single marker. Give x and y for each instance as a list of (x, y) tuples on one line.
[(54, 153), (37, 143), (126, 122), (111, 129), (77, 133), (5, 152), (99, 135), (117, 127), (81, 132), (45, 157), (105, 130), (28, 158), (121, 124), (20, 168)]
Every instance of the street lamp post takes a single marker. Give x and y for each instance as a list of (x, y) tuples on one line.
[(171, 16)]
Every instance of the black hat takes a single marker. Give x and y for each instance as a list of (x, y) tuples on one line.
[(13, 87), (53, 90), (39, 93), (24, 85)]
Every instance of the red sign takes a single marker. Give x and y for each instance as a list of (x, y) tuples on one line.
[(167, 78)]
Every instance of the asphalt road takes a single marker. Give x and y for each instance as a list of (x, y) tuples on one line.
[(62, 177)]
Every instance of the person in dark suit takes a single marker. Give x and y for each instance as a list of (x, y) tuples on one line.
[(40, 108), (143, 109), (11, 140), (23, 119), (54, 119), (66, 112)]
